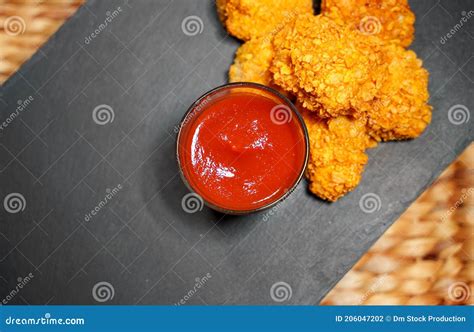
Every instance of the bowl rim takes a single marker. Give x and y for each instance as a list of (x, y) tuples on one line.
[(287, 102)]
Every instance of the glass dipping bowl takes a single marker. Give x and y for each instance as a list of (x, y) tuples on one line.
[(239, 111)]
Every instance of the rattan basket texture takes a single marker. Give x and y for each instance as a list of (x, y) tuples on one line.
[(27, 24), (426, 256)]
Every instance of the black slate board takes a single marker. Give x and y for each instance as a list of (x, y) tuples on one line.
[(141, 243)]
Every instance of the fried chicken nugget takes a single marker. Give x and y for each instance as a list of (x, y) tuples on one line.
[(247, 19), (252, 62), (337, 154), (325, 65), (400, 109), (391, 20)]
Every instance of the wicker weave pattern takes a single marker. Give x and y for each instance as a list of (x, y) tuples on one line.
[(27, 24), (426, 257)]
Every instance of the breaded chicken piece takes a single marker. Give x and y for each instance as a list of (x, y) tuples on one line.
[(222, 10), (247, 19), (325, 65), (353, 88), (252, 62), (400, 109), (391, 20), (337, 154)]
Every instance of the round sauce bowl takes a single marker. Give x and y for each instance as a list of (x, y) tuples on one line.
[(242, 147)]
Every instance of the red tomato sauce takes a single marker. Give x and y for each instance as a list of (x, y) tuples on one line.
[(239, 155)]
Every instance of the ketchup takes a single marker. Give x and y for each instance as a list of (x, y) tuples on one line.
[(242, 151)]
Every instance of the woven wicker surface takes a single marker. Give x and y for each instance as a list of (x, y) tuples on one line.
[(426, 257), (27, 24)]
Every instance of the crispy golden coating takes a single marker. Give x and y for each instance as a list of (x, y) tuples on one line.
[(337, 154), (252, 62), (335, 71), (391, 20), (325, 65), (354, 88), (221, 10), (247, 19), (400, 109)]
